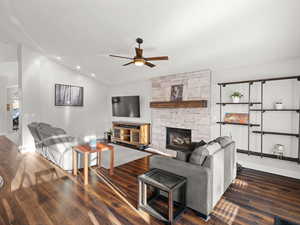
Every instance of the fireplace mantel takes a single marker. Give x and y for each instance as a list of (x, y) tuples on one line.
[(180, 104)]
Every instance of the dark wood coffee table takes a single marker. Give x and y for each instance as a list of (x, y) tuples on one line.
[(165, 181), (86, 150)]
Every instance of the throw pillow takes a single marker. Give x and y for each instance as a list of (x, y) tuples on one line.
[(197, 156), (183, 155), (195, 145)]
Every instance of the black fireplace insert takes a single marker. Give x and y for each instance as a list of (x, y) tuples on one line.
[(179, 139)]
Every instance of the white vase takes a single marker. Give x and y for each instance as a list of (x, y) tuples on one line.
[(235, 99), (278, 106)]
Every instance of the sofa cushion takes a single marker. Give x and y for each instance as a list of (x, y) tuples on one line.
[(185, 155), (195, 145), (197, 157), (199, 154)]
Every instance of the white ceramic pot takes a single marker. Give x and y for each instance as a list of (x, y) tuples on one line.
[(278, 106), (235, 99)]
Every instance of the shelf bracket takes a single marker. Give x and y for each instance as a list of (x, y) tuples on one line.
[(224, 85), (251, 83), (298, 78)]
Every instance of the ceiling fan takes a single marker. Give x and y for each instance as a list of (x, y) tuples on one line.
[(139, 60)]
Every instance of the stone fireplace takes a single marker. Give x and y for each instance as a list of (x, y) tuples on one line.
[(196, 86), (178, 139)]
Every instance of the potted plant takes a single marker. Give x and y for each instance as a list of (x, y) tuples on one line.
[(236, 97)]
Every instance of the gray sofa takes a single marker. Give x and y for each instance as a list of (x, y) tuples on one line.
[(206, 183), (56, 145)]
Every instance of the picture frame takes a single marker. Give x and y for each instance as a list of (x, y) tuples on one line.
[(68, 95), (242, 118), (176, 92)]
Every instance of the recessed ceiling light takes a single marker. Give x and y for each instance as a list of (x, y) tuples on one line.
[(37, 62), (78, 67), (58, 57), (93, 75)]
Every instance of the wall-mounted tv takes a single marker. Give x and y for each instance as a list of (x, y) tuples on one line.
[(68, 95), (126, 106)]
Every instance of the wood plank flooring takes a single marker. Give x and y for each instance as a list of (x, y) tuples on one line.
[(36, 192)]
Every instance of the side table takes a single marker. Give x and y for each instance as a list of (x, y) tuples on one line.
[(162, 181), (86, 150)]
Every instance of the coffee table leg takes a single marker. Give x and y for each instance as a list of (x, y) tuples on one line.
[(112, 159), (99, 158), (75, 167), (171, 217), (86, 167)]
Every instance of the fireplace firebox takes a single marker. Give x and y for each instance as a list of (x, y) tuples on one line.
[(178, 139)]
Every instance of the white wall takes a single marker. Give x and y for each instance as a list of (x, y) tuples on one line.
[(39, 76), (142, 89)]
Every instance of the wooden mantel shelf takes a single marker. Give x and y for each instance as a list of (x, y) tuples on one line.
[(180, 104)]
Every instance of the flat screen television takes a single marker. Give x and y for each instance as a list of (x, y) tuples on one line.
[(126, 106)]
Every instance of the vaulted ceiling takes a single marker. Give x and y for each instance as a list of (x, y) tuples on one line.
[(195, 34)]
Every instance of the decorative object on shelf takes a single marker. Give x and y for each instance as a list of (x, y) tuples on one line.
[(278, 105), (176, 92), (278, 150), (68, 95), (108, 135), (236, 96), (236, 118)]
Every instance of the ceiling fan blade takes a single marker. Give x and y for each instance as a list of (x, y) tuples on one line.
[(128, 63), (149, 64), (139, 52), (157, 58), (122, 57)]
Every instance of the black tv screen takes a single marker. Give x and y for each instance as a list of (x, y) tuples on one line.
[(126, 106)]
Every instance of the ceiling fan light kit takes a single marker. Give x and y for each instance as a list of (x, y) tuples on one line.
[(139, 60)]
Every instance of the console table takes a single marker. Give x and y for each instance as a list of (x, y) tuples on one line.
[(86, 150), (136, 134)]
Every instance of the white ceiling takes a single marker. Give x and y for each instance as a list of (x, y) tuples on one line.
[(195, 34)]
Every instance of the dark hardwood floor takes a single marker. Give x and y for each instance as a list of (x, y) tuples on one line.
[(37, 192)]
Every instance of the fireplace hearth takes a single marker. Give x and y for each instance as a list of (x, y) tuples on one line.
[(178, 139)]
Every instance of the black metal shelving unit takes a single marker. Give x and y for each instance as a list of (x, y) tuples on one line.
[(261, 110)]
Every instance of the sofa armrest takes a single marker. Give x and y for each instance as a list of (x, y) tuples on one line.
[(199, 181)]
